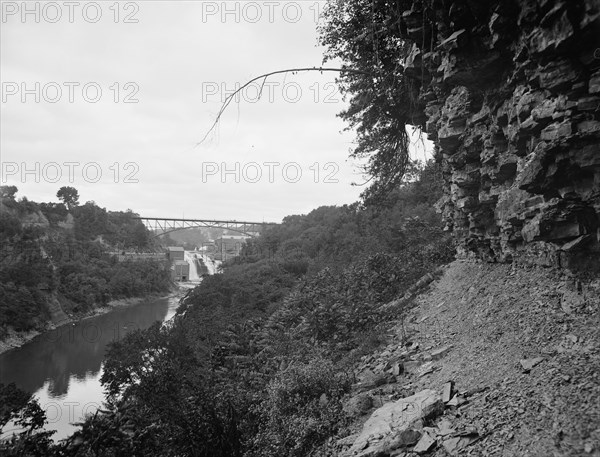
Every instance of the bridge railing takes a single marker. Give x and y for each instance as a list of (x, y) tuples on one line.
[(167, 225)]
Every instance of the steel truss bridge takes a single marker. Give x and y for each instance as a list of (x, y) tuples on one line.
[(161, 225)]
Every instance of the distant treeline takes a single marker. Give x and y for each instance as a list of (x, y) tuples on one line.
[(50, 252)]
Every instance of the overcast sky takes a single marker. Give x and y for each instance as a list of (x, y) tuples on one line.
[(112, 98)]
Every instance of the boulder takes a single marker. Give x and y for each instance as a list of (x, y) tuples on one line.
[(392, 419), (440, 352), (447, 392), (528, 364), (425, 444)]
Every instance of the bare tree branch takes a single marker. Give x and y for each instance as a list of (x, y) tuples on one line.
[(264, 77)]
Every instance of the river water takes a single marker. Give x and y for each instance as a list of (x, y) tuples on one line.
[(62, 367)]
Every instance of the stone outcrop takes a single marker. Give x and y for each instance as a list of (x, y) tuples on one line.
[(391, 426), (510, 94)]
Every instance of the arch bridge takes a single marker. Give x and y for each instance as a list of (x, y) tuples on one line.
[(162, 225)]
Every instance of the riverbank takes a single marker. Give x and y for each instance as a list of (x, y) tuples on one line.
[(17, 339)]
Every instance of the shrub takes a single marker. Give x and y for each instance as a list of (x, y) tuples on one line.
[(301, 410), (22, 308)]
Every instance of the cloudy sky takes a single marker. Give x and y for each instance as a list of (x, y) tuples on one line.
[(112, 99)]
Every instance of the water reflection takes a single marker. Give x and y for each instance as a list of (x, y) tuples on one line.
[(63, 367)]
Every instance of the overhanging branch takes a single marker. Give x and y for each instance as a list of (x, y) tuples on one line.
[(264, 77)]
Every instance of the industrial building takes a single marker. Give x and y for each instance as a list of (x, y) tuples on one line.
[(229, 246)]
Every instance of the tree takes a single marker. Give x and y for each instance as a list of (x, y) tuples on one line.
[(8, 192), (69, 196), (367, 35), (27, 415)]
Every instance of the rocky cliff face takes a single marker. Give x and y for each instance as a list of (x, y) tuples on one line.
[(510, 94)]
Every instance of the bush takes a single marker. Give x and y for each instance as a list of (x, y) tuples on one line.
[(85, 290), (21, 307), (301, 410), (10, 226)]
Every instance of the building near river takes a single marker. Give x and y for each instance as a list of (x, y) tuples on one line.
[(175, 253), (229, 246), (180, 270)]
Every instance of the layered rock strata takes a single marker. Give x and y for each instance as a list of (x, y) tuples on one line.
[(510, 94)]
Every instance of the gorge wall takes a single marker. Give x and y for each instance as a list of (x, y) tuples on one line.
[(510, 94)]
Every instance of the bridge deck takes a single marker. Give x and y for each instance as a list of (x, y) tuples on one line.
[(166, 225)]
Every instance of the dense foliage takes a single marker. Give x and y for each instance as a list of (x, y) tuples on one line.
[(25, 413), (368, 36), (97, 281), (49, 252)]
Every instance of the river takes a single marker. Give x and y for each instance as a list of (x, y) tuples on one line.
[(62, 367)]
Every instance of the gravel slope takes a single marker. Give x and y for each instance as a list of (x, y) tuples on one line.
[(493, 316)]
